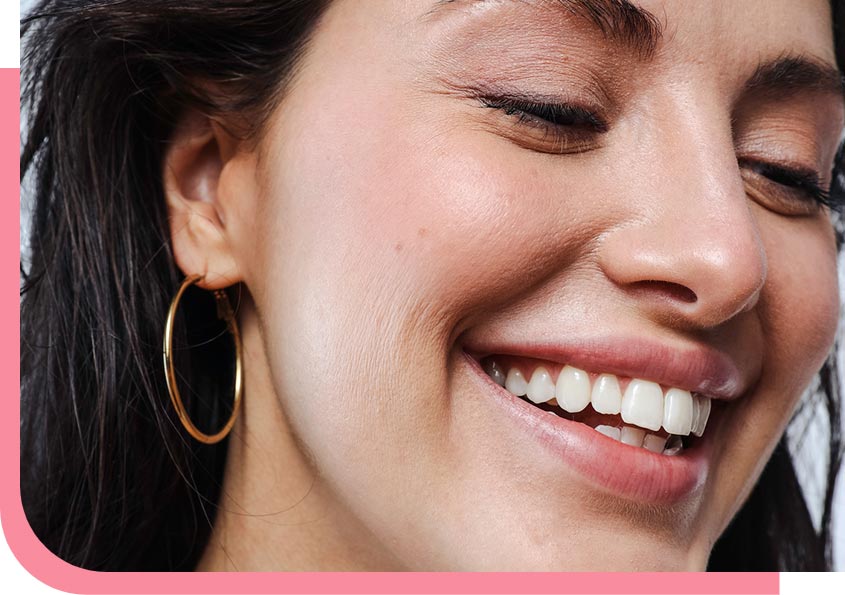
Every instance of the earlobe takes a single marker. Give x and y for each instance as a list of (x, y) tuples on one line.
[(192, 169)]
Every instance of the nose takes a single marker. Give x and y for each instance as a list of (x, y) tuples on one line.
[(691, 252)]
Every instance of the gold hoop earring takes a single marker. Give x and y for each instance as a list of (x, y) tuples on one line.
[(225, 313)]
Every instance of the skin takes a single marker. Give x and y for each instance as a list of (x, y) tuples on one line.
[(384, 215)]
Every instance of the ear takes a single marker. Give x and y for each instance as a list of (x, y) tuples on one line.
[(197, 204)]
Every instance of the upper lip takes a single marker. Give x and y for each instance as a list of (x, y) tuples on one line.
[(695, 368)]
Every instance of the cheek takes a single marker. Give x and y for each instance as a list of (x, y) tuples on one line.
[(385, 244), (437, 223), (801, 300), (798, 312), (381, 248)]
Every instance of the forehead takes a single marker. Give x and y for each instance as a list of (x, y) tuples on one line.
[(797, 26), (780, 45)]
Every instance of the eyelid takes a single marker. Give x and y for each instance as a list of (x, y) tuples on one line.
[(801, 175), (545, 111), (795, 180)]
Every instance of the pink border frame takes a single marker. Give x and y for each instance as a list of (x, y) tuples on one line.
[(47, 568)]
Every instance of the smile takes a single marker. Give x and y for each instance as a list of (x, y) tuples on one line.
[(633, 411), (633, 418)]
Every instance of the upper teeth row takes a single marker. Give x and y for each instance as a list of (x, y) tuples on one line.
[(643, 404)]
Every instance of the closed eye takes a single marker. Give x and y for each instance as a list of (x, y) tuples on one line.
[(794, 183), (556, 128), (553, 114)]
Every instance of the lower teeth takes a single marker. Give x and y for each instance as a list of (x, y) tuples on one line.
[(674, 444)]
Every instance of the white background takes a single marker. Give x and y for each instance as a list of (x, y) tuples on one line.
[(13, 575)]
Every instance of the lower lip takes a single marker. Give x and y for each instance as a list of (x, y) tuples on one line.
[(626, 471)]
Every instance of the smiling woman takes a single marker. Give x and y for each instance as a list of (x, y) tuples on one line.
[(499, 284)]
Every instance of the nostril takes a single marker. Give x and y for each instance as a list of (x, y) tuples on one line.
[(673, 291)]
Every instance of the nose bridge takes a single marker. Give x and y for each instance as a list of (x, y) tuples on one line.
[(694, 242)]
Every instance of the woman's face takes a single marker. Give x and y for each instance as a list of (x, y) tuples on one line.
[(454, 192)]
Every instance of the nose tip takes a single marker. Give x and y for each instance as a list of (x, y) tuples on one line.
[(698, 270)]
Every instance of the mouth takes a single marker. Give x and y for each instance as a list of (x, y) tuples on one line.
[(634, 437), (636, 412)]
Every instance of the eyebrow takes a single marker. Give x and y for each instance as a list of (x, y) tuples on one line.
[(619, 20), (793, 73), (638, 29)]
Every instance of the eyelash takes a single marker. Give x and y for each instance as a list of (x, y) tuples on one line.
[(553, 116), (805, 181)]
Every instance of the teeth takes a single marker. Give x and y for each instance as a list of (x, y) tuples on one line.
[(701, 413), (654, 443), (495, 372), (674, 442), (632, 436), (610, 432), (515, 383), (541, 388), (642, 404), (606, 397), (573, 389), (678, 412), (673, 446)]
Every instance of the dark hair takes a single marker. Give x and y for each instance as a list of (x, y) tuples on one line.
[(108, 479)]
